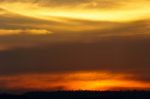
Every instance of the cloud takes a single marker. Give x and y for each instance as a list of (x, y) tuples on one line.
[(79, 31), (25, 31), (79, 35), (83, 9), (80, 3), (13, 21), (62, 3), (116, 55)]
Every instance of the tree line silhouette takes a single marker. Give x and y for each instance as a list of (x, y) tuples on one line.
[(80, 95)]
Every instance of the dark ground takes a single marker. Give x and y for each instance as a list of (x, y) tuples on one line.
[(80, 95)]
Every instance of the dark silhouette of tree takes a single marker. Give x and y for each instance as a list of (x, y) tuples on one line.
[(80, 95)]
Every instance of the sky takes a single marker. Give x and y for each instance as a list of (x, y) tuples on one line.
[(74, 45)]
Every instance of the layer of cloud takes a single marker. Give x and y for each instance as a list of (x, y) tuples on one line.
[(24, 32), (83, 9), (77, 31), (128, 55), (84, 3)]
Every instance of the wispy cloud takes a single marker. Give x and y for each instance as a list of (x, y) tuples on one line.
[(23, 32)]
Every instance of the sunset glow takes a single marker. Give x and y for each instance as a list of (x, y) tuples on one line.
[(73, 81), (74, 45)]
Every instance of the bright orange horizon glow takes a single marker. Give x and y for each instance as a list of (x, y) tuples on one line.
[(74, 81)]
